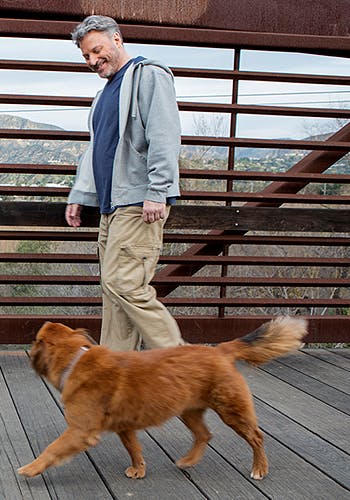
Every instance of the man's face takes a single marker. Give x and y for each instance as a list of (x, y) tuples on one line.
[(102, 52)]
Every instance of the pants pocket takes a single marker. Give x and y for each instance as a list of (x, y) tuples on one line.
[(135, 267)]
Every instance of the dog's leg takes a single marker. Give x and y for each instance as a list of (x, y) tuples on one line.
[(241, 418), (194, 421), (138, 468), (70, 443)]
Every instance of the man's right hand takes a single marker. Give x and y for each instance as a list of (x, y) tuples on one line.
[(73, 212)]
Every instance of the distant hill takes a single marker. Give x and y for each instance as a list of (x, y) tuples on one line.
[(36, 151), (9, 121)]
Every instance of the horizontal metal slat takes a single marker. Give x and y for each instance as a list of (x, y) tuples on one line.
[(262, 110), (233, 238), (265, 197), (68, 235), (82, 301), (241, 281), (27, 168), (197, 173), (189, 173), (188, 260), (243, 196), (217, 74), (189, 140), (85, 102)]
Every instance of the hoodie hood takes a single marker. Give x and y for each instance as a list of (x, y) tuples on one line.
[(139, 63)]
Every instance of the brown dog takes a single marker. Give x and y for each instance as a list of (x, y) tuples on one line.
[(126, 391)]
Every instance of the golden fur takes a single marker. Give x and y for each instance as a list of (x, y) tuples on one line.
[(125, 391)]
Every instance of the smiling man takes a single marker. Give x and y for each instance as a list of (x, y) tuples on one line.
[(129, 170)]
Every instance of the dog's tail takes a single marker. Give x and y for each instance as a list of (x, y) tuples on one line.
[(271, 340)]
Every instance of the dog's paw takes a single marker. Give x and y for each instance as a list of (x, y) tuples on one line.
[(29, 470), (259, 473), (136, 472), (184, 463)]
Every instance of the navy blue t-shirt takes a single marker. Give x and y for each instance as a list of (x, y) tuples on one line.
[(106, 136), (105, 124)]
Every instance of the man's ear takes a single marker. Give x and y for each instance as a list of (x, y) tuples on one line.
[(118, 39)]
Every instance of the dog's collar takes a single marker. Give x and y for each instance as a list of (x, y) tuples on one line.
[(68, 370)]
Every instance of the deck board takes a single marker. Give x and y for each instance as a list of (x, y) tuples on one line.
[(302, 403)]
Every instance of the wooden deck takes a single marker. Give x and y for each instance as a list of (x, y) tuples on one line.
[(302, 402)]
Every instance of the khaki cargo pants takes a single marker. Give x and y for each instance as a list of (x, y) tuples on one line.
[(128, 252)]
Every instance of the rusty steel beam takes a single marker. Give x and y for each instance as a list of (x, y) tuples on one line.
[(43, 100), (233, 281), (16, 329), (83, 301), (262, 76), (228, 238), (28, 168), (323, 45), (257, 175), (318, 17), (217, 74), (244, 197), (62, 192), (190, 261), (39, 235), (31, 168)]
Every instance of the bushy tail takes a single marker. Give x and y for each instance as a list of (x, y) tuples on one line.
[(271, 340)]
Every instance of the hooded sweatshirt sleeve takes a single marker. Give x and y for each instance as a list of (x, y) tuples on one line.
[(160, 116)]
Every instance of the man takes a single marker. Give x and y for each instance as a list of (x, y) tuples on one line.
[(129, 170)]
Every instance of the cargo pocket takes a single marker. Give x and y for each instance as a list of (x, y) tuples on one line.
[(135, 267)]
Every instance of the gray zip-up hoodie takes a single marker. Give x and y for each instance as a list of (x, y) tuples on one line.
[(146, 158)]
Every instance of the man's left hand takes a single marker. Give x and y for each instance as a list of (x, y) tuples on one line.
[(153, 211)]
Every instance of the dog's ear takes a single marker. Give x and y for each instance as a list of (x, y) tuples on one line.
[(84, 333), (38, 357)]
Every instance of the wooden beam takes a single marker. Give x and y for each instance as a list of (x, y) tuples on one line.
[(15, 213)]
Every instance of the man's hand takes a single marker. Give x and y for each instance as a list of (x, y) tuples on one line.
[(73, 212), (153, 211)]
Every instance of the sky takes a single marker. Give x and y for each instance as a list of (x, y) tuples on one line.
[(187, 89)]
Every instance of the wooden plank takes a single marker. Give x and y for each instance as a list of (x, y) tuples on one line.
[(191, 217), (15, 451), (43, 422), (283, 481), (307, 383), (333, 462), (331, 357), (320, 370), (341, 352), (330, 424), (163, 479), (214, 475), (286, 466)]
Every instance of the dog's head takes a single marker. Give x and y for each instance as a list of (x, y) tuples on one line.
[(53, 344)]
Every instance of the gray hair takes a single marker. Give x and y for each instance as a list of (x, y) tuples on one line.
[(95, 23)]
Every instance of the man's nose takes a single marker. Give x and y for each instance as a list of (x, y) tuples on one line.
[(92, 60)]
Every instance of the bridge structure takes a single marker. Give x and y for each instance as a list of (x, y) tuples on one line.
[(246, 241)]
